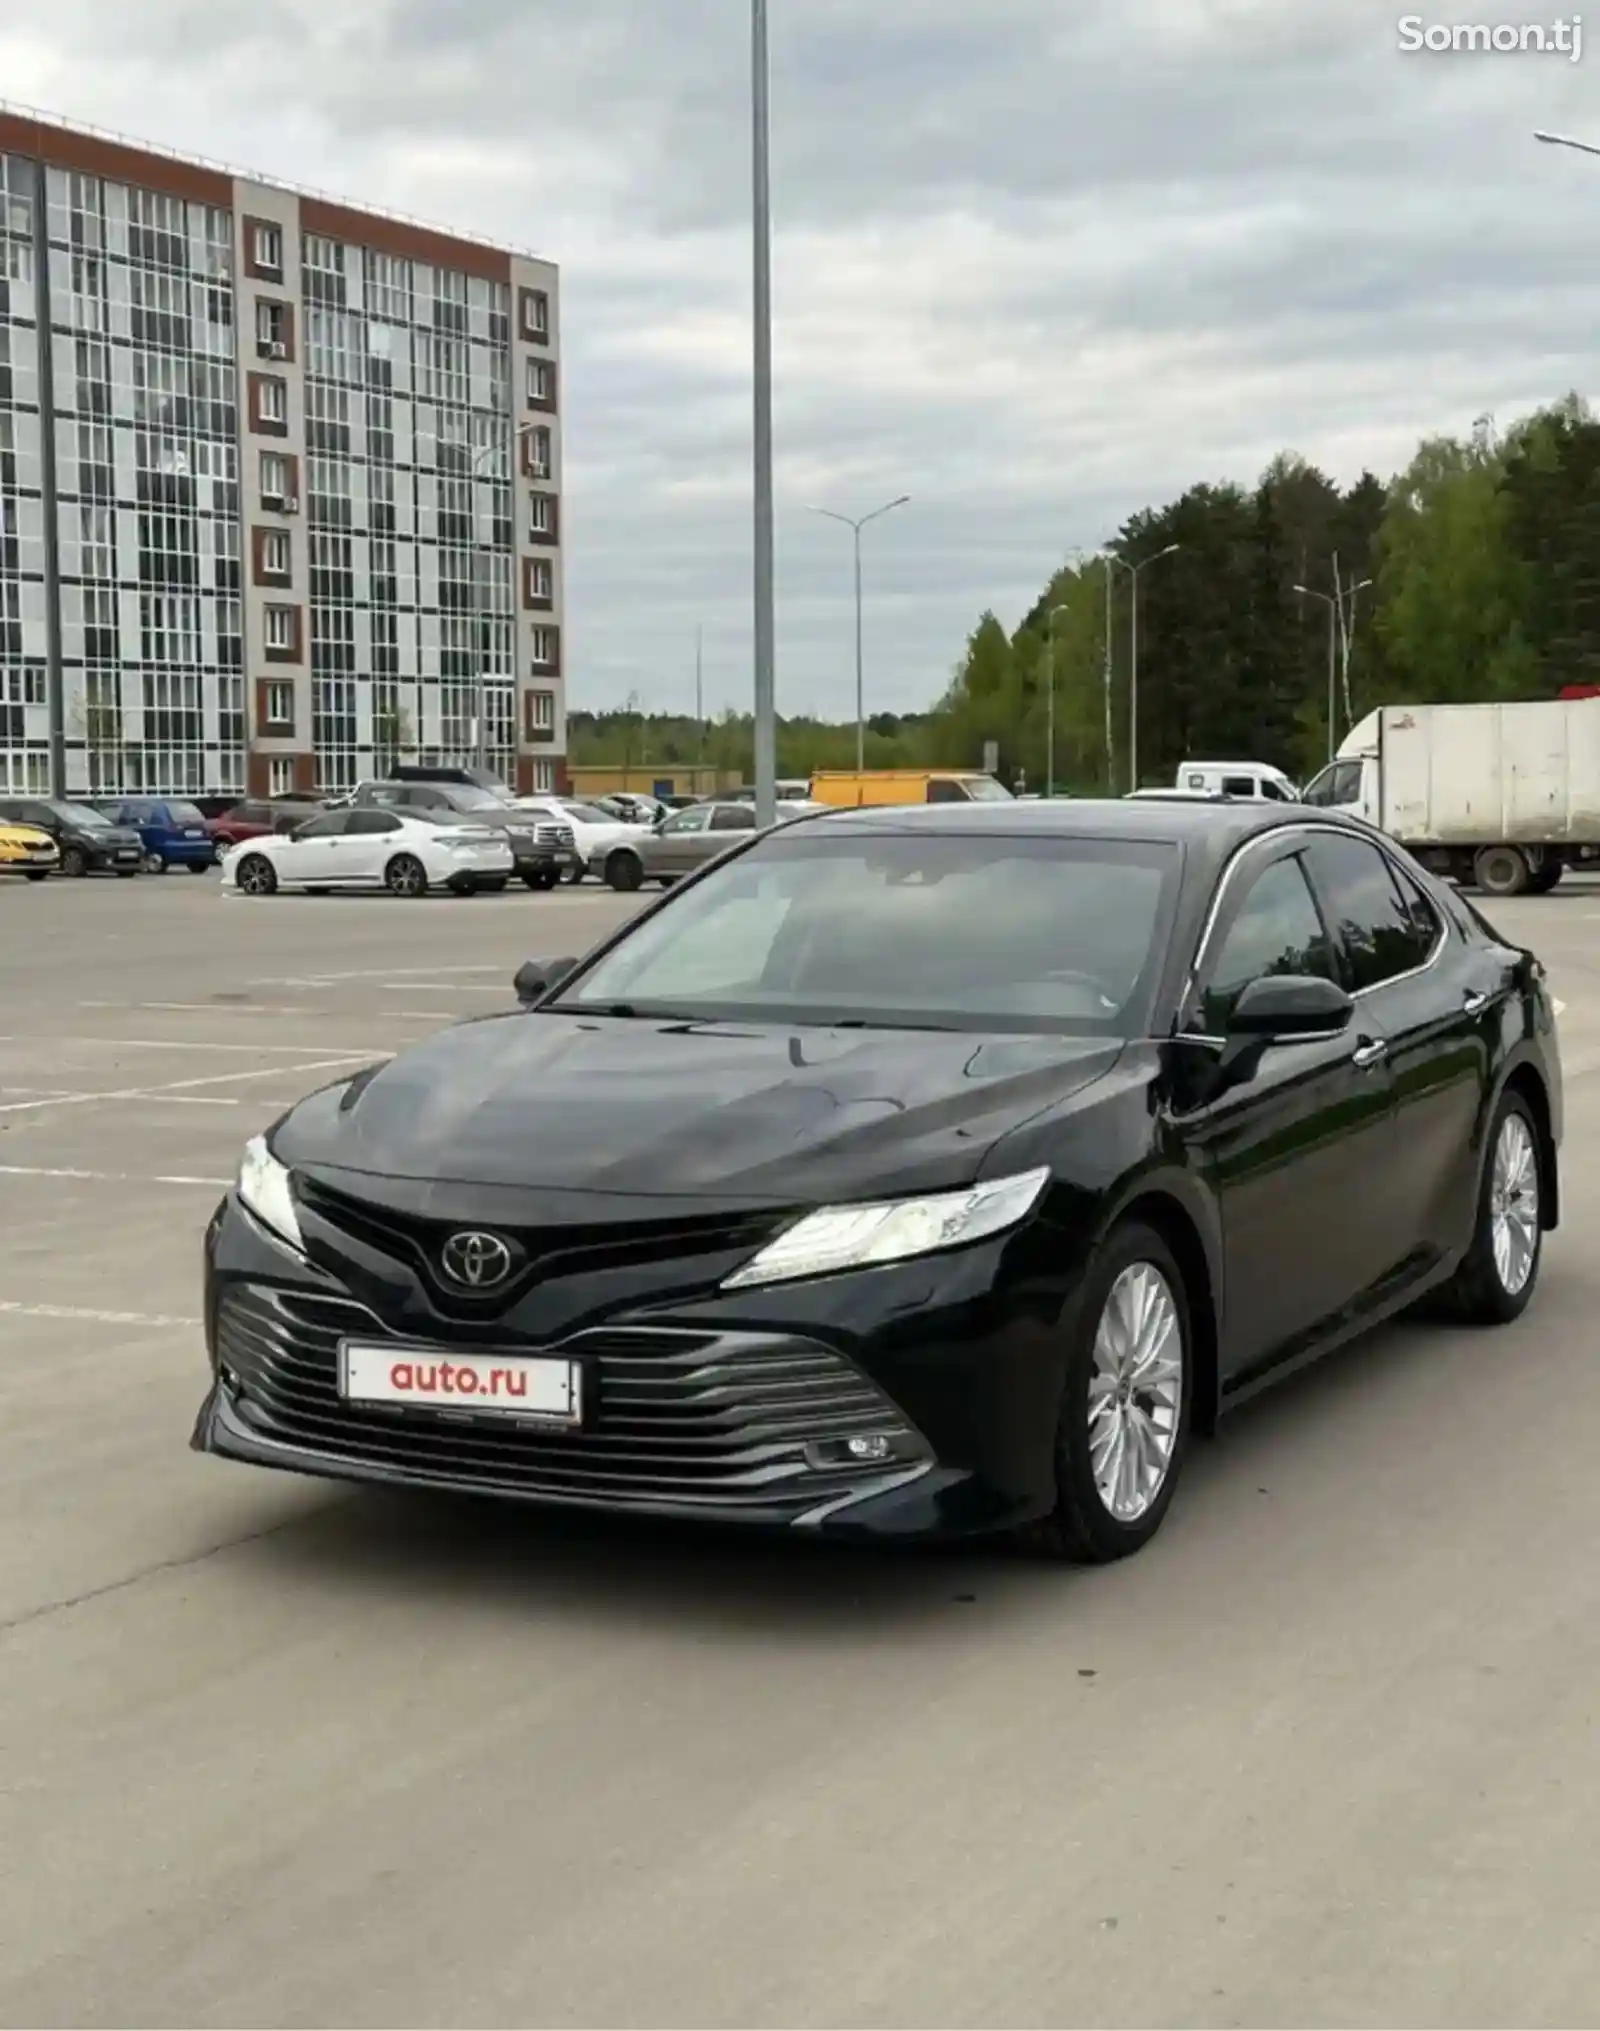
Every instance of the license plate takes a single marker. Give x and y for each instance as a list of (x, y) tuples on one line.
[(127, 853), (535, 1388), (194, 832)]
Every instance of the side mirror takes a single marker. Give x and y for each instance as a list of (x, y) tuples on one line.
[(535, 977), (1282, 1006)]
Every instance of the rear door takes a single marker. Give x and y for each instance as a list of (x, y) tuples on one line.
[(1295, 1143), (1428, 990), (370, 836), (726, 822), (681, 844)]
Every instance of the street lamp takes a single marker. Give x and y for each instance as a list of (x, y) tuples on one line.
[(766, 719), (1133, 571), (1050, 698), (856, 525), (1565, 141), (479, 647)]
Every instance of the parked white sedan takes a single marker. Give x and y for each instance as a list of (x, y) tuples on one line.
[(594, 832), (364, 848)]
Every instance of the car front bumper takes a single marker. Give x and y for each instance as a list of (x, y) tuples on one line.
[(737, 1409)]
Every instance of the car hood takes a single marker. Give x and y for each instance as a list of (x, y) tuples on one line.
[(761, 1114)]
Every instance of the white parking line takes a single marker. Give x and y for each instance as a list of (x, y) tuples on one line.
[(252, 1008), (13, 1309), (187, 1044), (184, 1085), (444, 987), (109, 1177), (383, 973)]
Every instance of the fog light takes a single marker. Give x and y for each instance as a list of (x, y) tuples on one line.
[(865, 1449)]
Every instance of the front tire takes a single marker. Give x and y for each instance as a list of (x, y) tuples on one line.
[(574, 875), (256, 876), (200, 866), (1125, 1407), (406, 876), (546, 878), (153, 864), (624, 872), (1497, 1275), (74, 861)]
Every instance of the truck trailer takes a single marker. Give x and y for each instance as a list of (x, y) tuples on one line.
[(1503, 798)]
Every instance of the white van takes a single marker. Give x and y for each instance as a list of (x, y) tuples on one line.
[(1237, 779)]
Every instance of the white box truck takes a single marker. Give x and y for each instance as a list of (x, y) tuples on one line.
[(1502, 797)]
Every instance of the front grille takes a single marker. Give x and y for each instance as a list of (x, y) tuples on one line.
[(556, 835), (545, 1253), (706, 1421)]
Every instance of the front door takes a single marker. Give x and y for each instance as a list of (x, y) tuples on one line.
[(314, 854), (369, 839), (1298, 1140), (682, 843)]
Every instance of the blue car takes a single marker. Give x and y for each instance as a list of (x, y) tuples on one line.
[(172, 832)]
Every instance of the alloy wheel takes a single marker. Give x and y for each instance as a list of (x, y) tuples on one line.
[(1135, 1392), (1514, 1203)]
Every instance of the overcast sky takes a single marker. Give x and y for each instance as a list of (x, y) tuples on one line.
[(1038, 264)]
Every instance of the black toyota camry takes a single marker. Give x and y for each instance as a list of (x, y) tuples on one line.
[(906, 1172)]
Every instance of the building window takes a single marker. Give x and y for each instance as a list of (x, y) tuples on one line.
[(536, 316), (541, 384), (277, 480), (274, 555), (544, 776), (272, 400), (539, 582), (543, 645), (266, 249), (283, 631), (274, 330), (536, 453), (279, 711), (280, 775), (541, 518), (541, 715)]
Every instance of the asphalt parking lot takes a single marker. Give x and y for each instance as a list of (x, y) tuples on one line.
[(276, 1752)]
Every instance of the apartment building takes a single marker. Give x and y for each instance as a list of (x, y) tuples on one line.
[(280, 484)]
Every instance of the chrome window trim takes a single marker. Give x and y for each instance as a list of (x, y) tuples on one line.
[(1304, 830)]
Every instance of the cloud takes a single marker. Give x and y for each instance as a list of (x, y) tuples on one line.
[(1036, 266)]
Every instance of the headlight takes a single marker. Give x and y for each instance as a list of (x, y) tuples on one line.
[(835, 1238), (264, 1187)]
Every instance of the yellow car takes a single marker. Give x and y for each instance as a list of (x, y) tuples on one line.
[(26, 849)]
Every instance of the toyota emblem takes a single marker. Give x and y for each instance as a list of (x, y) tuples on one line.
[(476, 1261)]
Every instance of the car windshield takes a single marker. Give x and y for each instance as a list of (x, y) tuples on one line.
[(84, 815), (586, 814), (904, 930), (186, 814), (985, 790), (468, 797)]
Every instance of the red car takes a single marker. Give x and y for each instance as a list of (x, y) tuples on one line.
[(256, 818)]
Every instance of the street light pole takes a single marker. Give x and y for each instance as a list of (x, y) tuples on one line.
[(1050, 698), (765, 722), (479, 647), (1332, 605), (1133, 571), (855, 525)]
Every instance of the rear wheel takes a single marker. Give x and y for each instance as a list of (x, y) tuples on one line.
[(1498, 1272), (153, 864), (256, 876), (200, 866), (1545, 880), (495, 886), (125, 874), (1125, 1408), (1502, 871), (624, 871), (545, 878), (574, 875), (36, 874), (463, 885), (74, 861), (406, 876)]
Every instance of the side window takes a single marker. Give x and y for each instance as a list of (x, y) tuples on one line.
[(1238, 786), (36, 814), (1346, 783), (372, 821), (1426, 921), (1277, 930), (734, 818), (330, 826), (942, 790), (695, 819), (1376, 931), (1272, 790)]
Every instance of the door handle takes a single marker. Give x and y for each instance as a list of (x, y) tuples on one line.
[(1474, 1001), (1364, 1056)]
